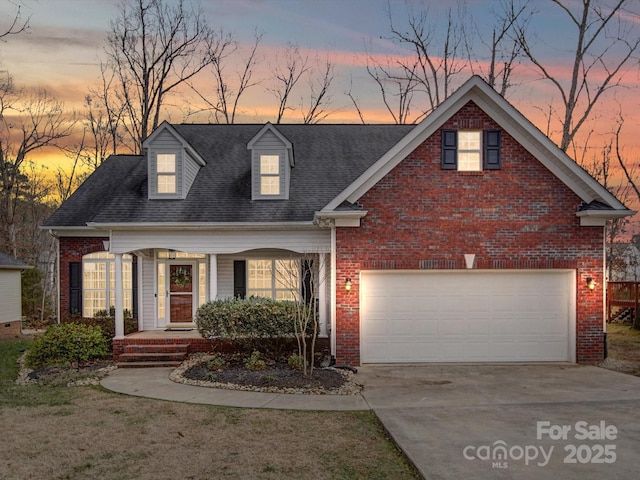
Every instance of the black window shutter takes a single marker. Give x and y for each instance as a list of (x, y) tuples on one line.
[(239, 278), (492, 144), (449, 149), (75, 287), (134, 289)]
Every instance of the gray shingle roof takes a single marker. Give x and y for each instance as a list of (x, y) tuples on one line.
[(327, 159), (7, 261)]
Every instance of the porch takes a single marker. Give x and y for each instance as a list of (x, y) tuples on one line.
[(161, 348), (623, 299), (169, 348)]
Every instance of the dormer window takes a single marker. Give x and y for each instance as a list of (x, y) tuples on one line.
[(269, 174), (271, 164), (172, 163), (166, 173)]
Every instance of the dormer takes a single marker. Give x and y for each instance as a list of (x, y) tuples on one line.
[(172, 164), (271, 164)]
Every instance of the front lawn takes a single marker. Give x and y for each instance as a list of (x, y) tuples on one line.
[(623, 345), (88, 432)]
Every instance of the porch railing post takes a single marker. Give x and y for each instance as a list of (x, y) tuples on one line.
[(119, 304), (213, 277)]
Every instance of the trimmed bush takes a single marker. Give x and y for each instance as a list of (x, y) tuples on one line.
[(107, 326), (66, 343), (250, 324)]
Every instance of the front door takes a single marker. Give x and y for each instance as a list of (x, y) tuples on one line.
[(180, 293)]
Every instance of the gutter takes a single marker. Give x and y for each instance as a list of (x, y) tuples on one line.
[(205, 226)]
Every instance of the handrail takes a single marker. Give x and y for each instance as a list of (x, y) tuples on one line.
[(622, 294)]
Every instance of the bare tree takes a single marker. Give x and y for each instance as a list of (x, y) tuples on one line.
[(17, 25), (225, 101), (436, 61), (154, 46), (396, 90), (355, 101), (106, 112), (287, 77), (29, 121), (606, 41), (495, 59), (319, 93), (301, 276)]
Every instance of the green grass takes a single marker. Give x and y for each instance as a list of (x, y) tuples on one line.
[(12, 395)]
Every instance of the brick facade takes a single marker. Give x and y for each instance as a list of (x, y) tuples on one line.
[(72, 249), (423, 217)]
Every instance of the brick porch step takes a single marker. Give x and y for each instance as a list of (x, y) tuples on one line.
[(147, 364), (152, 355), (157, 348)]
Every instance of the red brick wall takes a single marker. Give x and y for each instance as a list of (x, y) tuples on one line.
[(72, 249), (423, 217)]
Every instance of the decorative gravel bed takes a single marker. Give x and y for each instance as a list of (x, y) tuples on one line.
[(275, 378)]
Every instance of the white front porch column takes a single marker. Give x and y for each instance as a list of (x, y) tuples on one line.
[(119, 304), (322, 294), (213, 277)]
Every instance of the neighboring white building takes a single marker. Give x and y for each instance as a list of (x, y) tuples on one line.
[(10, 295), (623, 262)]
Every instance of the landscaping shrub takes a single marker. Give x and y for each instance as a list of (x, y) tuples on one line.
[(255, 362), (107, 326), (296, 361), (66, 343), (258, 324)]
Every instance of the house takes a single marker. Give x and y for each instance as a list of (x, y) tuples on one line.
[(623, 263), (469, 237), (10, 296)]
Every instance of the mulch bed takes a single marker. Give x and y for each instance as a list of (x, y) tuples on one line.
[(276, 377)]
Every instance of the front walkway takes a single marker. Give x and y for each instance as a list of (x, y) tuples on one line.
[(155, 383)]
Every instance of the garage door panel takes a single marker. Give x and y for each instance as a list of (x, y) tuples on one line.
[(463, 317), (426, 326)]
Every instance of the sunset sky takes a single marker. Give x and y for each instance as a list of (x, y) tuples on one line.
[(65, 42)]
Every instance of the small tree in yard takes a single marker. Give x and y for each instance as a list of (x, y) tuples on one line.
[(304, 282)]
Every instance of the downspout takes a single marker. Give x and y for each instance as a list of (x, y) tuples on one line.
[(333, 290), (140, 294), (57, 274)]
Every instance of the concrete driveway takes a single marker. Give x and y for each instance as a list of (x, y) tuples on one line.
[(510, 421)]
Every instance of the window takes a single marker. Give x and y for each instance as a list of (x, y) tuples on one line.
[(166, 170), (469, 145), (471, 150), (99, 282), (275, 279), (269, 175)]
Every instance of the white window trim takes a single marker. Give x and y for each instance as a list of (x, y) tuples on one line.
[(270, 175), (109, 260), (274, 289), (462, 166), (167, 173)]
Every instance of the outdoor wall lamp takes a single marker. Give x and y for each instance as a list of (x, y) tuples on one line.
[(591, 284), (171, 254), (347, 285)]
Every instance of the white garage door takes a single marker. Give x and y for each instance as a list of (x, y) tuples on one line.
[(467, 316)]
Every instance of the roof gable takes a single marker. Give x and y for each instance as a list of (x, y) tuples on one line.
[(167, 127), (269, 128), (515, 124)]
